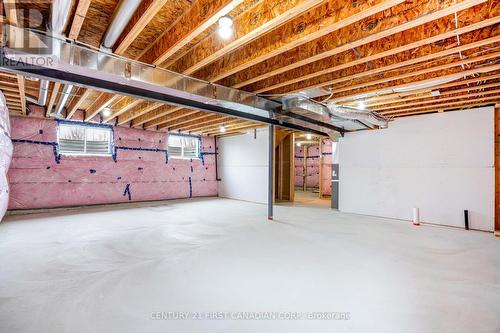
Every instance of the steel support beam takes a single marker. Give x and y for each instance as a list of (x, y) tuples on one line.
[(270, 184)]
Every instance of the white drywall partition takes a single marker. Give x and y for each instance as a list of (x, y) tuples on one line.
[(441, 163), (243, 166)]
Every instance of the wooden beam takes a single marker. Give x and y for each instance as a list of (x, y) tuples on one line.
[(403, 42), (81, 95), (383, 98), (444, 106), (52, 99), (208, 120), (138, 111), (410, 73), (9, 7), (202, 15), (418, 56), (263, 17), (325, 19), (147, 118), (234, 127), (209, 124), (100, 103), (22, 95), (146, 11), (123, 105), (427, 96), (178, 123), (78, 19), (462, 106), (388, 90), (435, 100), (170, 117), (349, 38)]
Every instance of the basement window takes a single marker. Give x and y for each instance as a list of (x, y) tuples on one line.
[(75, 139), (183, 146)]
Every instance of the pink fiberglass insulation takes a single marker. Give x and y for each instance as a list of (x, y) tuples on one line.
[(5, 155), (312, 166), (326, 167), (299, 167), (40, 178)]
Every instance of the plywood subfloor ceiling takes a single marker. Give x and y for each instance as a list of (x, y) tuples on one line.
[(397, 57)]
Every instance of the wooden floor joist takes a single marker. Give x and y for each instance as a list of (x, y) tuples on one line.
[(351, 37), (264, 16), (325, 19)]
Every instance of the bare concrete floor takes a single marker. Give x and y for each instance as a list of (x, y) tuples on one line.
[(128, 270)]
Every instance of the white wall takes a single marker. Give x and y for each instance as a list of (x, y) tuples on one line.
[(441, 163), (243, 166)]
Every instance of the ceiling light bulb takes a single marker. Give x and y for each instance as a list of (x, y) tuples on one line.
[(106, 112), (225, 29), (299, 144), (309, 136), (222, 129)]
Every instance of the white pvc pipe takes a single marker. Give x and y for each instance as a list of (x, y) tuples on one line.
[(120, 20), (416, 216)]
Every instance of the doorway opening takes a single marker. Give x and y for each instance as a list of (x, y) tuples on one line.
[(303, 169)]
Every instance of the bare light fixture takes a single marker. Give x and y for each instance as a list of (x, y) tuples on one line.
[(361, 105), (225, 29), (309, 136), (106, 112), (222, 129), (299, 144)]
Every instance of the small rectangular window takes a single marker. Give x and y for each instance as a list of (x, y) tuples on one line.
[(74, 139), (183, 146)]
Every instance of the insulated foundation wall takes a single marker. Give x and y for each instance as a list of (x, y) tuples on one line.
[(317, 164), (299, 167), (140, 169)]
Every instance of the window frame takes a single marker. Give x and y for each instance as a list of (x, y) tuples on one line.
[(198, 147), (86, 125)]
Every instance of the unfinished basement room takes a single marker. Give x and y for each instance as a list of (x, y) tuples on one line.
[(198, 166)]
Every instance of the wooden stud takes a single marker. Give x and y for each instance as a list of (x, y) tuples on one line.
[(138, 112), (123, 105), (22, 96), (349, 38), (52, 99), (370, 82), (404, 41), (178, 123), (79, 18), (149, 118), (81, 95), (454, 76), (172, 116), (264, 16), (100, 103), (343, 76), (325, 19), (442, 106), (142, 16), (200, 17)]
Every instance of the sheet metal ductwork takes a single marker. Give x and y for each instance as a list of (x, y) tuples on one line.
[(354, 114), (332, 113)]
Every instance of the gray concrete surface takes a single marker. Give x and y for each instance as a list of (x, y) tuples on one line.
[(132, 270)]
